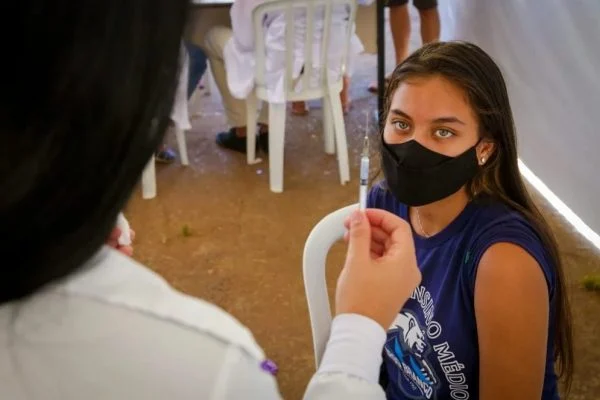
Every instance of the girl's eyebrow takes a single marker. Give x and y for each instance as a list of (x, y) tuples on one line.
[(440, 120)]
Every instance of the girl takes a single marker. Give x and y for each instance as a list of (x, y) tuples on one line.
[(491, 316)]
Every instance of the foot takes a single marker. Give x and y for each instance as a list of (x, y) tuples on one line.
[(165, 155), (299, 108), (232, 140), (235, 139), (373, 87)]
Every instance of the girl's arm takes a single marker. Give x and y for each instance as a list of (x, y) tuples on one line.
[(512, 313)]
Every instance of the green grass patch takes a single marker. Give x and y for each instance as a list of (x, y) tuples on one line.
[(591, 283)]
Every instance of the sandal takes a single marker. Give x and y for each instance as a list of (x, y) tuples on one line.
[(165, 155)]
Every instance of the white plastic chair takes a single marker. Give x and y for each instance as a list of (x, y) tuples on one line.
[(208, 80), (181, 123), (328, 231), (333, 124)]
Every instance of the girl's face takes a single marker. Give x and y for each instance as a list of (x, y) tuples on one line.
[(435, 113)]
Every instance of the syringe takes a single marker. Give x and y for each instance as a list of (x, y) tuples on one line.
[(364, 170)]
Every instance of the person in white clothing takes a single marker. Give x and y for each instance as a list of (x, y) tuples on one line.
[(81, 320), (356, 48), (231, 53)]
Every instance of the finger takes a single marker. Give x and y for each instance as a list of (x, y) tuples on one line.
[(378, 235), (359, 244), (114, 235), (381, 243), (401, 241), (112, 243), (385, 220), (127, 250), (132, 234), (347, 223), (375, 256), (377, 248)]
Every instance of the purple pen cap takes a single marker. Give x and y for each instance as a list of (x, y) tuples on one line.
[(269, 366)]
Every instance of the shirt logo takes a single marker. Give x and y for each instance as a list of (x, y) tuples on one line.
[(419, 361), (408, 348)]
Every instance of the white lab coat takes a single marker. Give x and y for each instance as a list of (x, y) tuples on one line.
[(118, 331), (239, 51)]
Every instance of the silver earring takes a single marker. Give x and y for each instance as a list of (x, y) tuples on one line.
[(482, 160)]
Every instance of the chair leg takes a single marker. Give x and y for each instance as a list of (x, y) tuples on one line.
[(252, 104), (208, 81), (194, 106), (340, 136), (276, 146), (149, 180), (328, 127), (183, 154)]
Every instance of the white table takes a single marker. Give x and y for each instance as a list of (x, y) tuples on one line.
[(212, 3)]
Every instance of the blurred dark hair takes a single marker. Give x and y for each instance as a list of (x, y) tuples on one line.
[(468, 67), (87, 89)]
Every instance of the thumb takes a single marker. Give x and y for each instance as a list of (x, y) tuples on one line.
[(359, 237)]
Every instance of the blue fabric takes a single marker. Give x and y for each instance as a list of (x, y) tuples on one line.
[(431, 350), (197, 66)]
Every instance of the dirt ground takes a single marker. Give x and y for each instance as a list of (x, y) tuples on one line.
[(215, 231)]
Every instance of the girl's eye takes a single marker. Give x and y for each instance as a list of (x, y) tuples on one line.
[(401, 125), (443, 133)]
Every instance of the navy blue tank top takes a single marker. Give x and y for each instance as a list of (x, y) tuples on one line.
[(431, 350)]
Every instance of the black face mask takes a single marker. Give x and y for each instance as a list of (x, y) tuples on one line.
[(417, 176)]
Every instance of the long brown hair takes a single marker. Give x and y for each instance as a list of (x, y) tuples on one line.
[(471, 69)]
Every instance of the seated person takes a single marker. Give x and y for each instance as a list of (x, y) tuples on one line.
[(493, 286), (196, 68), (231, 55), (356, 48)]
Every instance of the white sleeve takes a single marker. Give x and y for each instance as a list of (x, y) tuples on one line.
[(349, 369), (351, 363)]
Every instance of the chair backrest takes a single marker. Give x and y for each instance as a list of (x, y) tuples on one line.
[(308, 9), (328, 231)]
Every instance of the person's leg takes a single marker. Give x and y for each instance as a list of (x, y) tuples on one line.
[(197, 59), (345, 95), (430, 20), (263, 128), (235, 109), (400, 27), (299, 108)]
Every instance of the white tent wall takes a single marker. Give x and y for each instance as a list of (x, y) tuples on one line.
[(549, 52)]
